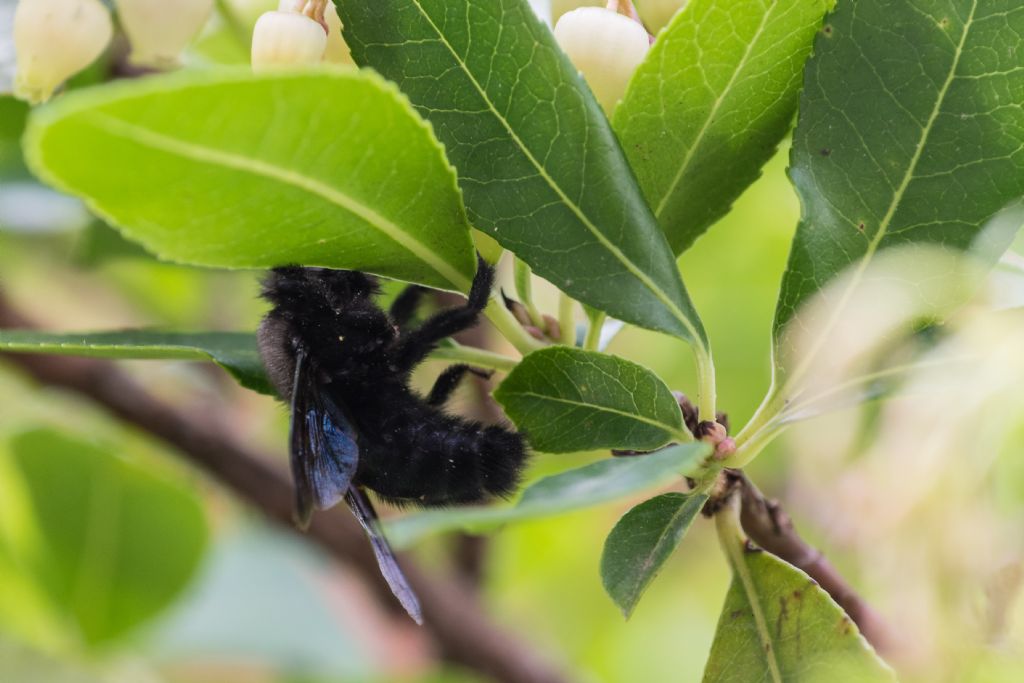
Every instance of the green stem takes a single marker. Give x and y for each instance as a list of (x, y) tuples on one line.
[(478, 358), (894, 371), (566, 320), (769, 409), (594, 330), (707, 398), (759, 430), (509, 327), (754, 444), (774, 414), (523, 278)]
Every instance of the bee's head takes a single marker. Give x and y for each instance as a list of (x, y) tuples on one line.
[(289, 285), (343, 287)]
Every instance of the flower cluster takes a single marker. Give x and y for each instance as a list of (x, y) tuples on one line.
[(56, 39)]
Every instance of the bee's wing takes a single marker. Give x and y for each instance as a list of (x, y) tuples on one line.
[(324, 451), (367, 516)]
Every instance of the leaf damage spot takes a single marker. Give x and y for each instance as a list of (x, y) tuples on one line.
[(827, 30), (780, 622), (826, 152)]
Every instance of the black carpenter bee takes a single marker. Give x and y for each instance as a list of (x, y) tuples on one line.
[(344, 365)]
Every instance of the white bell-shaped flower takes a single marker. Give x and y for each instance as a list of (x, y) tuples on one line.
[(159, 30), (605, 46), (54, 40), (287, 38)]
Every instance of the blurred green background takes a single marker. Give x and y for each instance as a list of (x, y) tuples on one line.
[(119, 563)]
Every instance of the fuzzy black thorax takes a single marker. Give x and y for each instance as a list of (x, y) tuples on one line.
[(358, 358)]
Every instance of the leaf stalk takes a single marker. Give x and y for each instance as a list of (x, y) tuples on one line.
[(509, 327), (594, 330), (566, 320), (479, 358)]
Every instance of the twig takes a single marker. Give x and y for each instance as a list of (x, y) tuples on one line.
[(464, 634), (771, 528)]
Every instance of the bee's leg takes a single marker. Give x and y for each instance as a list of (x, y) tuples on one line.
[(416, 344), (403, 308), (448, 380)]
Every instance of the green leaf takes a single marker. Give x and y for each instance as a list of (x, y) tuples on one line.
[(642, 541), (568, 400), (576, 489), (12, 122), (710, 104), (910, 132), (236, 352), (113, 544), (326, 167), (538, 163), (777, 625), (99, 243)]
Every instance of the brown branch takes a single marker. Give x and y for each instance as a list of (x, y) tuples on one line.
[(464, 634), (771, 528)]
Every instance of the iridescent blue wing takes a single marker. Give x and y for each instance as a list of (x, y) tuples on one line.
[(386, 559), (324, 458), (323, 445)]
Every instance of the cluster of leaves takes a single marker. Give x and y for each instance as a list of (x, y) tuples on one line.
[(473, 119)]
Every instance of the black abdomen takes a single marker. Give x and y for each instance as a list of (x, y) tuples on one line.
[(423, 456)]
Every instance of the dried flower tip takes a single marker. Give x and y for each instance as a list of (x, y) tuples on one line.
[(159, 30), (711, 432), (287, 39), (518, 310), (725, 448), (54, 40), (551, 326), (534, 332), (606, 47)]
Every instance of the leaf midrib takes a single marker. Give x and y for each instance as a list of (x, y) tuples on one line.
[(764, 634), (95, 572), (644, 576), (687, 499), (139, 352), (672, 430), (117, 127), (699, 139), (633, 269), (883, 226)]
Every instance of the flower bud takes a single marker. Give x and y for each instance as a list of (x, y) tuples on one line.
[(54, 40), (287, 39), (605, 46), (159, 30)]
